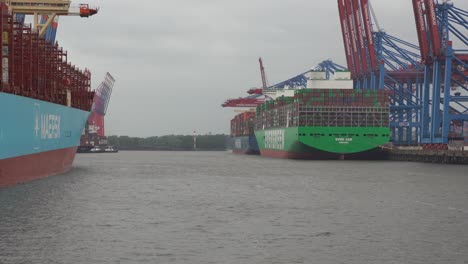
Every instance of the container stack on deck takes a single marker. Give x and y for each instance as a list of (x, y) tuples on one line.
[(35, 68), (242, 124), (325, 107), (242, 133)]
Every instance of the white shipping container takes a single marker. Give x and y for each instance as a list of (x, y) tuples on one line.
[(278, 93), (342, 75), (330, 84), (317, 75), (287, 93)]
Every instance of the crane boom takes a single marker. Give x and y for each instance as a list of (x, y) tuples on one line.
[(346, 36), (433, 27), (30, 7), (51, 8), (421, 29), (262, 71), (259, 91), (354, 37), (360, 34), (243, 102), (369, 36)]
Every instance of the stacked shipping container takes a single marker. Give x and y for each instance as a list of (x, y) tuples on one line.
[(326, 108), (243, 124), (35, 68)]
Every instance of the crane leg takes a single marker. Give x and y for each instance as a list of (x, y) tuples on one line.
[(36, 20), (44, 27)]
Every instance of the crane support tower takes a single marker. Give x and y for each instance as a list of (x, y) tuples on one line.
[(49, 8)]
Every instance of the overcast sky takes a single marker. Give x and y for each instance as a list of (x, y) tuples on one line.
[(176, 61)]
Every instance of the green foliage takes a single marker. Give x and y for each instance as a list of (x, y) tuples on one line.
[(169, 142)]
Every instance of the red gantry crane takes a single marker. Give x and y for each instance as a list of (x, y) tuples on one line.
[(256, 97), (356, 28), (264, 80), (250, 101)]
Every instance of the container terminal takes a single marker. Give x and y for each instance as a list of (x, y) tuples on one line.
[(426, 84)]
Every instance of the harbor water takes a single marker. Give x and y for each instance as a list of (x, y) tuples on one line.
[(217, 207)]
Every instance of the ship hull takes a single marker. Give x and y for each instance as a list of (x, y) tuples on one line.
[(323, 142), (315, 154), (245, 145), (37, 138), (35, 166)]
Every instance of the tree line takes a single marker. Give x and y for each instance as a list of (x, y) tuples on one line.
[(170, 142)]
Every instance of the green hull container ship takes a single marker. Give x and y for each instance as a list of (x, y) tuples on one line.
[(324, 124)]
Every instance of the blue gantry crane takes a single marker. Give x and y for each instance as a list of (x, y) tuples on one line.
[(444, 100), (422, 111), (329, 67)]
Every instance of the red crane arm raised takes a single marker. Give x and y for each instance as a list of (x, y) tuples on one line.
[(346, 36), (433, 27), (262, 72), (353, 39), (369, 36), (360, 40), (421, 29)]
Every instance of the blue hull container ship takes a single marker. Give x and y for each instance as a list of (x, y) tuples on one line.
[(44, 104)]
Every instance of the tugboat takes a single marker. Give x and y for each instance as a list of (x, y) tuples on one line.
[(96, 149), (111, 149)]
